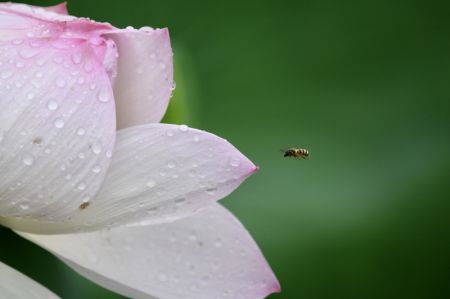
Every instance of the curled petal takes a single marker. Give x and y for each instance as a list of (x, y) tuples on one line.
[(159, 173), (208, 255), (58, 8), (145, 75), (57, 126), (14, 284), (51, 13)]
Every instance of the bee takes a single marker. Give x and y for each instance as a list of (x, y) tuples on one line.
[(297, 153)]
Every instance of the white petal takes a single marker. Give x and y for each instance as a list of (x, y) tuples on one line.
[(145, 75), (57, 123), (159, 173), (209, 255), (15, 285)]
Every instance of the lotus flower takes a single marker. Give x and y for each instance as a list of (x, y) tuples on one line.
[(89, 173)]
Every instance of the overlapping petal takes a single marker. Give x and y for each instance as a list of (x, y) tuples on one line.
[(159, 173), (57, 127), (15, 285), (208, 255), (145, 75)]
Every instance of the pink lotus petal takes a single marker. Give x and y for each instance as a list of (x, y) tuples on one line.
[(52, 13), (14, 284), (144, 83), (58, 8), (209, 255), (57, 124), (159, 173)]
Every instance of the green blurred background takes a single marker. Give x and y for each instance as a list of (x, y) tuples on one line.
[(364, 85)]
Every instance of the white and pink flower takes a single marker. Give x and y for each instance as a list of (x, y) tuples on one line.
[(89, 174)]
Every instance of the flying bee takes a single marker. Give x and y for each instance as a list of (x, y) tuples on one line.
[(297, 153)]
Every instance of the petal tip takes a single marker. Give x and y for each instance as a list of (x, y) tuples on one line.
[(255, 169)]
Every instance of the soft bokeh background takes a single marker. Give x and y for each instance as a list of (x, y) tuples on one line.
[(364, 85)]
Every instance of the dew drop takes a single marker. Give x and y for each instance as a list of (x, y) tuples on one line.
[(59, 123), (218, 243), (60, 82), (108, 154), (211, 191), (24, 207), (196, 139), (81, 186), (96, 148), (76, 58), (169, 133), (204, 280), (81, 131), (58, 60), (52, 105), (104, 95), (96, 169), (28, 160), (88, 66), (151, 184), (183, 128), (96, 41), (17, 41), (6, 74), (28, 53), (171, 165), (235, 162)]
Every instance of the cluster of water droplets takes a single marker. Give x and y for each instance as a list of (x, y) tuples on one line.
[(187, 257), (46, 81)]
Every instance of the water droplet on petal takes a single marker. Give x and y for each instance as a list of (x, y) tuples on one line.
[(81, 131), (151, 184), (59, 123), (235, 162), (218, 243), (6, 74), (96, 148), (104, 95), (28, 160), (171, 165), (28, 53), (81, 186), (17, 41), (183, 128), (96, 169), (24, 207), (52, 105), (77, 57), (60, 82)]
